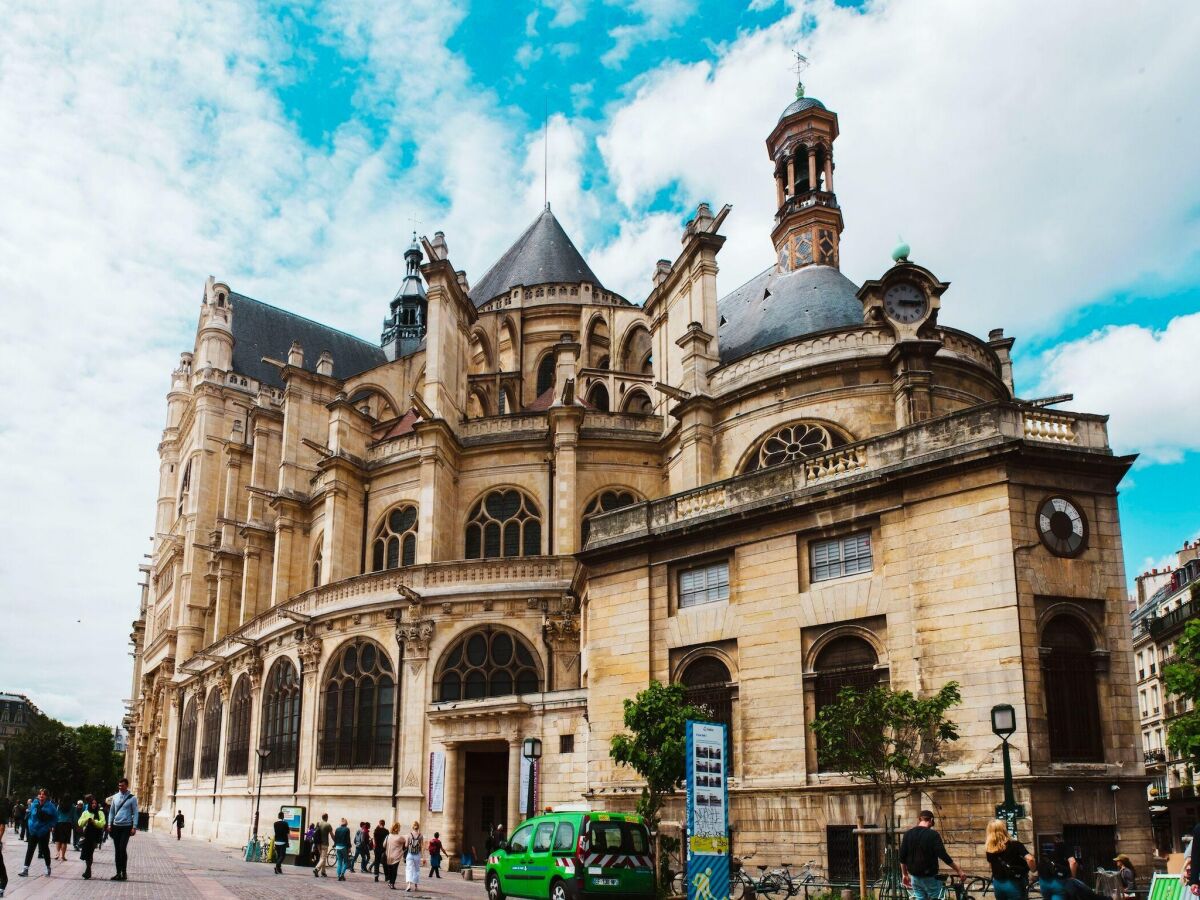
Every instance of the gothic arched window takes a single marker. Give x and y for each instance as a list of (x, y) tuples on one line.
[(185, 485), (845, 662), (359, 704), (187, 741), (237, 744), (598, 397), (706, 681), (316, 565), (210, 741), (395, 542), (504, 523), (489, 662), (605, 501), (1072, 702), (790, 443), (281, 716), (545, 373)]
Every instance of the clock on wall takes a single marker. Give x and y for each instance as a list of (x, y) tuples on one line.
[(1062, 527), (905, 303)]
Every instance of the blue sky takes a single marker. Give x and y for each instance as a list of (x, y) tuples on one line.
[(1040, 157)]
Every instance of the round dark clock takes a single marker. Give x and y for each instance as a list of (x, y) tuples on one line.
[(1062, 527)]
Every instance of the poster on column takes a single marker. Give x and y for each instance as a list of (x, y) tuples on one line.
[(707, 811), (437, 780), (529, 769), (294, 816)]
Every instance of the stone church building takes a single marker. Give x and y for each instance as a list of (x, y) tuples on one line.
[(378, 567)]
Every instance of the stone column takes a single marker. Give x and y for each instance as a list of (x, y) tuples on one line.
[(812, 170), (779, 190), (791, 176), (565, 422), (452, 807), (829, 173), (514, 784), (310, 693), (414, 634)]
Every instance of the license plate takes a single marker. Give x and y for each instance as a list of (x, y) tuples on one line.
[(606, 882)]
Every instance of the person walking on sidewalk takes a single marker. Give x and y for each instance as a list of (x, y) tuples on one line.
[(362, 846), (321, 843), (1011, 863), (91, 831), (380, 837), (19, 811), (920, 850), (122, 825), (282, 834), (77, 832), (412, 859), (39, 822), (3, 870), (435, 856), (393, 855), (62, 828), (341, 845), (178, 823)]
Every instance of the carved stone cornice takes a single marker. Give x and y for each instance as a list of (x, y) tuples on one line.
[(254, 668), (563, 629), (310, 654)]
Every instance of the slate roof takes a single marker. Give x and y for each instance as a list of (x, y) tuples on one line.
[(775, 306), (800, 105), (542, 255), (260, 329)]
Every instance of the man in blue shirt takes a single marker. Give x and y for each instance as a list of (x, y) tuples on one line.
[(122, 824), (38, 823)]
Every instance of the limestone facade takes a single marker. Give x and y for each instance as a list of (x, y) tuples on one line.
[(371, 559)]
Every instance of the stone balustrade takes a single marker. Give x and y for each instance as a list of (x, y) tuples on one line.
[(1043, 426), (645, 426)]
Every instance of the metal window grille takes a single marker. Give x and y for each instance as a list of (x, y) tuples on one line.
[(566, 743), (842, 854), (841, 556), (705, 584)]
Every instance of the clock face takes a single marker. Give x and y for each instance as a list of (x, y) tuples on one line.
[(905, 303), (1062, 527)]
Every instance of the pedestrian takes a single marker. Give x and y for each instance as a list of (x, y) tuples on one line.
[(321, 842), (306, 845), (39, 822), (3, 870), (393, 855), (122, 825), (91, 831), (341, 845), (435, 856), (1056, 876), (380, 837), (362, 846), (282, 834), (1128, 874), (412, 857), (77, 832), (920, 850), (178, 823), (19, 811), (62, 829), (490, 843), (1011, 863)]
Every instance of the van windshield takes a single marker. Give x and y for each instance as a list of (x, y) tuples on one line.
[(618, 837)]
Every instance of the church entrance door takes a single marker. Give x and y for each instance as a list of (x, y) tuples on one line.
[(485, 794)]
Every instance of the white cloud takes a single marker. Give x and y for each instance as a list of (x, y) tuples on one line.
[(625, 264), (527, 55), (566, 12), (655, 20), (1145, 379), (1036, 155)]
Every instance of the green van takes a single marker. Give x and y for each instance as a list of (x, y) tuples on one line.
[(574, 856)]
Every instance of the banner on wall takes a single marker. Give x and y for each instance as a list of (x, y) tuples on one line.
[(294, 816), (437, 780), (529, 769), (707, 811)]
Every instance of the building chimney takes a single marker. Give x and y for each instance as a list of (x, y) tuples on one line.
[(440, 250), (325, 363), (662, 271), (296, 355)]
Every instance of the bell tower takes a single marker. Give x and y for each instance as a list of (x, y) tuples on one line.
[(808, 220)]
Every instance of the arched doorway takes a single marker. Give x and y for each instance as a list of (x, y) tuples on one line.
[(1072, 702)]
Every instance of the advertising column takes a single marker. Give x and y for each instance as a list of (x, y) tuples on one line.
[(707, 812)]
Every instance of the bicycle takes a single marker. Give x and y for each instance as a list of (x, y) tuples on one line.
[(803, 881), (255, 850), (743, 887)]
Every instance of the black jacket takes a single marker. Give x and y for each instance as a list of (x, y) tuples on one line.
[(282, 832)]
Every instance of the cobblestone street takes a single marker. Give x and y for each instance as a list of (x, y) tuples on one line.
[(160, 867)]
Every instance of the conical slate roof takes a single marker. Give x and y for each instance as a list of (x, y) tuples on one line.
[(542, 255)]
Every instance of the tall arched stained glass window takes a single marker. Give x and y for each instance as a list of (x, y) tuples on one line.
[(359, 700), (237, 743), (504, 523), (281, 716), (489, 662), (210, 741), (187, 741), (395, 541)]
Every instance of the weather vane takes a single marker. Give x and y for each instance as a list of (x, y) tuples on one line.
[(800, 64)]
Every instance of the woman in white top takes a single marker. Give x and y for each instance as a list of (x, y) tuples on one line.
[(412, 860)]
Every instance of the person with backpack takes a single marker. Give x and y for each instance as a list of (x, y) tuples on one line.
[(1011, 863), (920, 850), (91, 831), (412, 857), (341, 846), (362, 846), (435, 856)]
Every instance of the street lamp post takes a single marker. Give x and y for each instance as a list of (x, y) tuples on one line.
[(1004, 724), (532, 751), (263, 753)]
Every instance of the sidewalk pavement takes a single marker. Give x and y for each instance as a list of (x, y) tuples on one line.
[(161, 868)]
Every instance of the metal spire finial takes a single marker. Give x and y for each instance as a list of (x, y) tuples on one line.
[(800, 64)]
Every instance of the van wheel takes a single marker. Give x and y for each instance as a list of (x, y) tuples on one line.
[(494, 891), (558, 891)]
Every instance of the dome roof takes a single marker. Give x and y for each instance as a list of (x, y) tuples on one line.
[(542, 255), (778, 306), (800, 105)]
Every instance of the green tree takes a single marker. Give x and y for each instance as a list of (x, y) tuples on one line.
[(68, 762), (1183, 680), (101, 763), (656, 748), (893, 740)]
